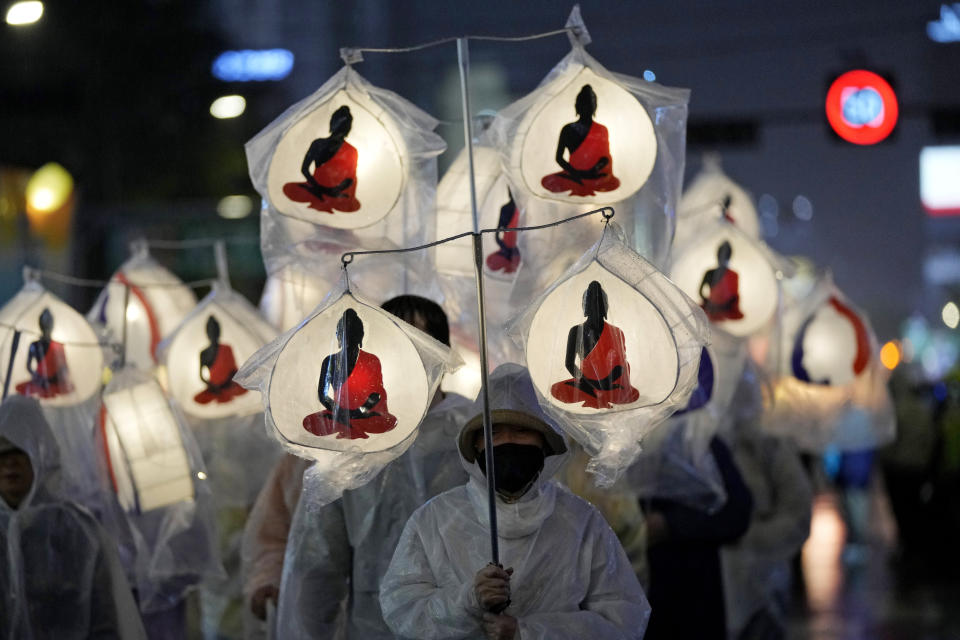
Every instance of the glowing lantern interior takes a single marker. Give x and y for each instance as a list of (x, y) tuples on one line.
[(368, 158), (388, 365), (148, 464), (636, 338), (739, 296), (62, 372), (620, 130)]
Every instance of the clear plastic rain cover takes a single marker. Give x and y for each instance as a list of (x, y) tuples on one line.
[(157, 302), (351, 166), (710, 191), (587, 137), (830, 388), (347, 388), (613, 348)]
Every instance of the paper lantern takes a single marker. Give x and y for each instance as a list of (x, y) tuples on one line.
[(290, 295), (712, 191), (497, 209), (157, 303), (613, 348), (349, 379), (146, 458), (582, 136), (341, 157), (730, 275), (204, 353), (59, 360)]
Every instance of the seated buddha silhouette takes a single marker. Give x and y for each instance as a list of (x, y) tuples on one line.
[(602, 378), (47, 364), (507, 257), (589, 167), (332, 185), (722, 302), (219, 365), (350, 388)]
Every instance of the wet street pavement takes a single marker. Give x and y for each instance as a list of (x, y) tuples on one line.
[(863, 592)]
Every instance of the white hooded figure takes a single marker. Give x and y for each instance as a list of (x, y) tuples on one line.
[(566, 575), (339, 552), (61, 577)]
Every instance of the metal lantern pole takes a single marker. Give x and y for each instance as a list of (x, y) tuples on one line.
[(463, 55), (13, 354)]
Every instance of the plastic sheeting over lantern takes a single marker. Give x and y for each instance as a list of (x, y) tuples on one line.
[(157, 302), (351, 166), (146, 458), (830, 387), (59, 360), (731, 276), (347, 388), (613, 348), (712, 191), (204, 353)]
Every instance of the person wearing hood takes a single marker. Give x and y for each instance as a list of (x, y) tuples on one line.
[(336, 555), (565, 575), (62, 578)]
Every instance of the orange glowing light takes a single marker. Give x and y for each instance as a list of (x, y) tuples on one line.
[(890, 355)]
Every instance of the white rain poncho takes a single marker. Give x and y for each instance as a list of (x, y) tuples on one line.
[(756, 569), (571, 577), (61, 577), (342, 550)]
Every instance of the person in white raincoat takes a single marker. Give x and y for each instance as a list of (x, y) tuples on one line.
[(61, 577), (566, 575), (337, 554), (756, 569)]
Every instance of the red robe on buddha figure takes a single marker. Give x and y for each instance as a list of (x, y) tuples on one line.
[(331, 173), (724, 300), (365, 379), (608, 353), (595, 146), (221, 387), (52, 377), (507, 257)]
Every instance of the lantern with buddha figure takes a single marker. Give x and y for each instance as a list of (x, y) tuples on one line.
[(581, 137), (149, 300), (497, 209), (203, 354), (147, 461), (350, 378), (58, 359), (712, 191), (731, 276), (613, 348), (341, 158)]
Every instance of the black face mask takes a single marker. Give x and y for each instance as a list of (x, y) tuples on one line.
[(516, 466)]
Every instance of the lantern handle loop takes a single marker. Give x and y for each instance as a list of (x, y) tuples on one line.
[(351, 55), (31, 274), (223, 270), (577, 29), (13, 354)]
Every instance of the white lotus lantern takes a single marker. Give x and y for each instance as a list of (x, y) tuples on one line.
[(157, 302), (497, 209), (350, 379), (712, 191), (582, 136), (730, 275), (204, 353), (147, 462), (59, 360), (612, 337)]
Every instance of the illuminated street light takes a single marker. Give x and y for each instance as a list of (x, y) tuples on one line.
[(950, 315), (23, 13), (228, 107), (234, 207), (890, 355)]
